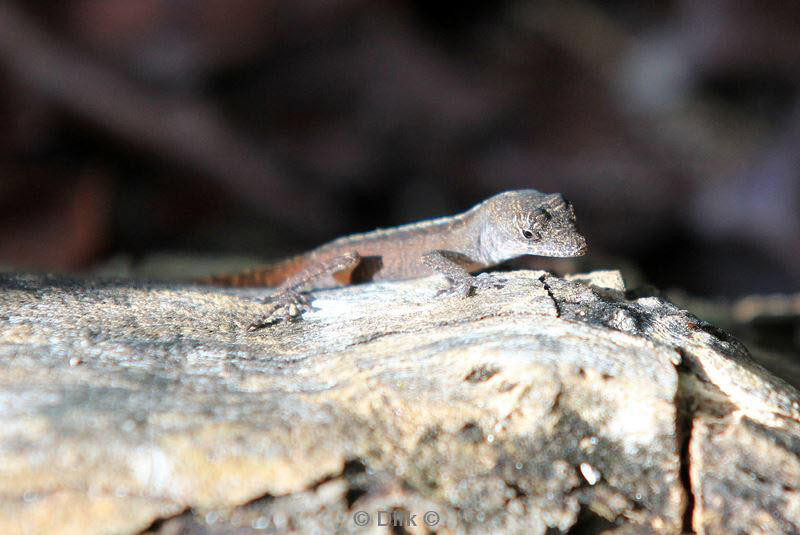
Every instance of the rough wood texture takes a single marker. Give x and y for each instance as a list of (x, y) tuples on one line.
[(548, 403)]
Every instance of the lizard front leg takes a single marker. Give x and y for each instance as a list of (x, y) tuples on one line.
[(451, 265), (289, 298)]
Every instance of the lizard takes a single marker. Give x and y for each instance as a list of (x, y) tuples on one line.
[(505, 226)]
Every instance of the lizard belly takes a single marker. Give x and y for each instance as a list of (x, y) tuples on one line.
[(377, 267), (398, 254), (402, 267)]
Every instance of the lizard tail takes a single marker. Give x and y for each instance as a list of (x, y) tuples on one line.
[(269, 275)]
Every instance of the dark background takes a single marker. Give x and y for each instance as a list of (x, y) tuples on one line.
[(230, 127)]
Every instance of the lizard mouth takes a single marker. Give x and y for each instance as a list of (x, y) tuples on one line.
[(566, 250)]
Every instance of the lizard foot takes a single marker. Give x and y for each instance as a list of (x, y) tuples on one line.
[(287, 306), (484, 281), (467, 286)]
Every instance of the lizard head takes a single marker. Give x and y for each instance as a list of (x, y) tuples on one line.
[(528, 222)]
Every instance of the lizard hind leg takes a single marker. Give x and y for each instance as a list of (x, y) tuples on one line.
[(289, 300)]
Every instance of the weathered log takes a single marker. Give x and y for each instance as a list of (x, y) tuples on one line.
[(548, 403)]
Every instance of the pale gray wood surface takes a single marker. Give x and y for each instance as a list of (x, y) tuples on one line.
[(547, 403)]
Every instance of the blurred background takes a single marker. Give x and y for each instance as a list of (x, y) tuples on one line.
[(252, 129)]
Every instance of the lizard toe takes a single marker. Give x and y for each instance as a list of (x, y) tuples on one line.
[(458, 290), (485, 281), (260, 323)]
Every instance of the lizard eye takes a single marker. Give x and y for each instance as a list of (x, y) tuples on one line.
[(530, 235)]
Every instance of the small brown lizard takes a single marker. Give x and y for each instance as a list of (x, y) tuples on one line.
[(505, 226)]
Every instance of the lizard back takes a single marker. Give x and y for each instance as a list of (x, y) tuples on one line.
[(386, 254)]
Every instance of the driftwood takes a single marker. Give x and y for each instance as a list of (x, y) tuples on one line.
[(548, 403)]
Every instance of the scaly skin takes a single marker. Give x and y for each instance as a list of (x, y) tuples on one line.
[(505, 226)]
